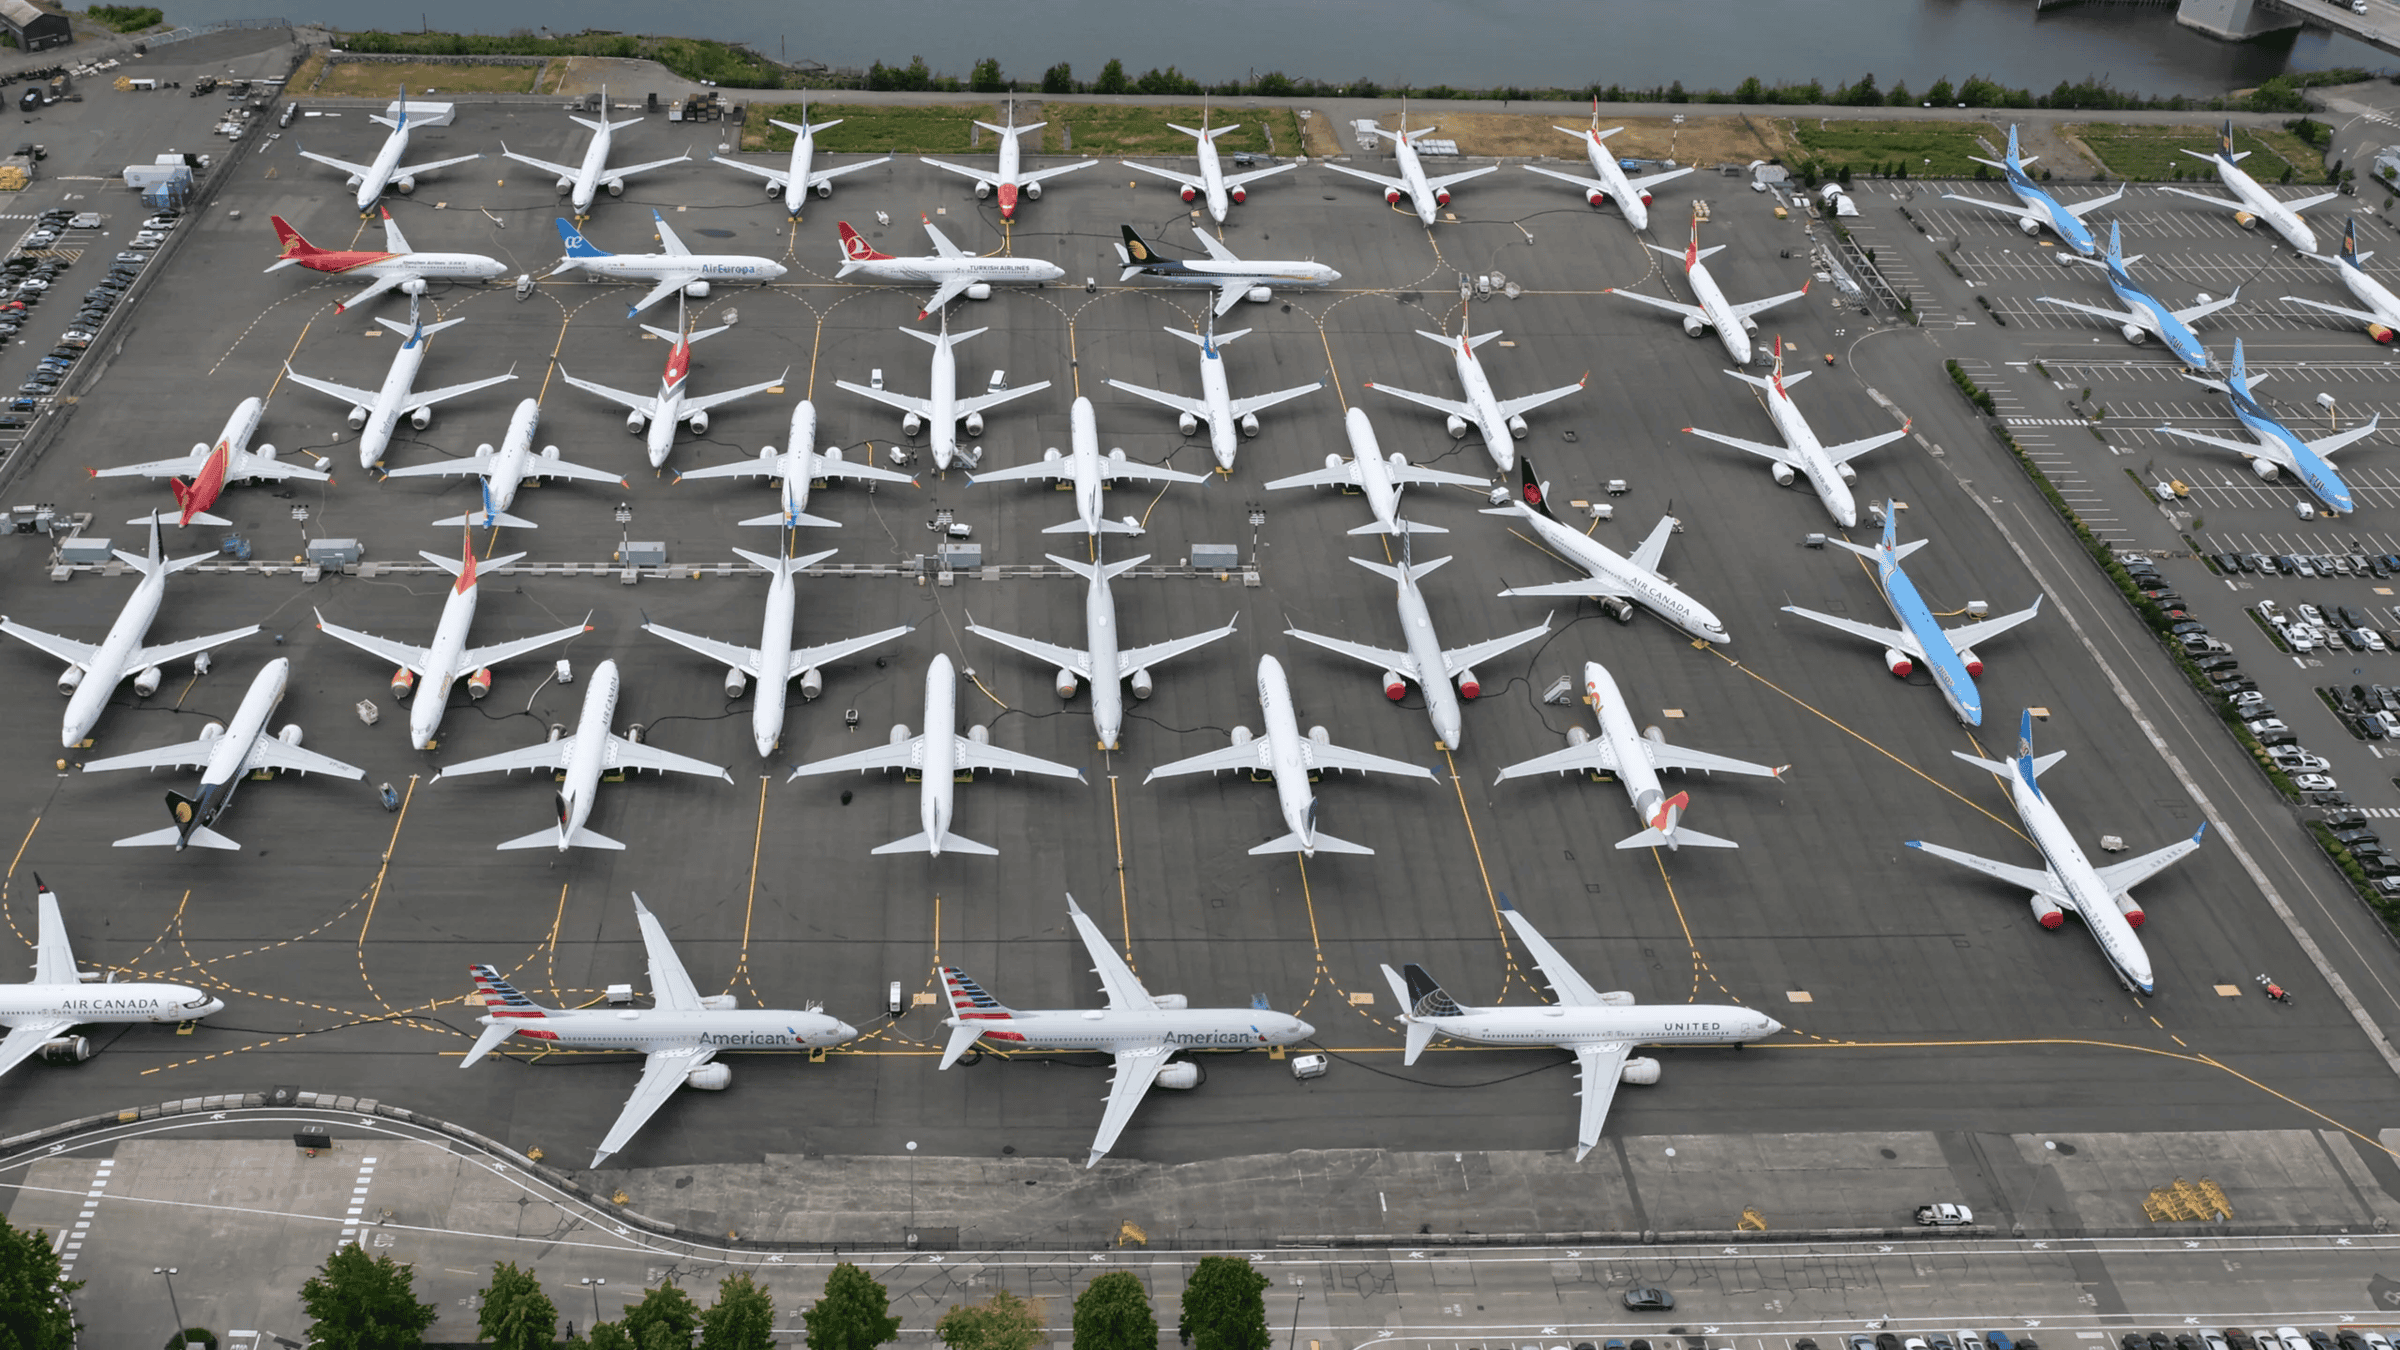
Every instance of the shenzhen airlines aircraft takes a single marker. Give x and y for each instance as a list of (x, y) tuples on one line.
[(211, 468), (582, 183), (793, 181), (1212, 181), (1425, 195), (2036, 208), (60, 997), (2251, 201), (397, 268), (386, 171), (1006, 177), (1608, 182)]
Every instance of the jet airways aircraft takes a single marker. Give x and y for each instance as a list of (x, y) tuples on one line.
[(1006, 177), (1948, 653), (1497, 420), (1425, 195), (2036, 207), (1608, 181), (1212, 181), (1617, 581), (793, 181), (1424, 662), (678, 1036), (504, 470), (1291, 758), (1216, 405), (578, 758), (1635, 757), (673, 267), (1733, 323), (449, 658), (2252, 201), (386, 171), (1141, 1030), (211, 468), (375, 413), (583, 182), (397, 268), (1827, 466), (225, 754), (92, 673), (1101, 663), (952, 271), (2274, 448), (1089, 472), (943, 409), (937, 756), (61, 997), (773, 662), (1234, 279), (2382, 312), (2145, 316), (1377, 479), (674, 402), (1599, 1029), (796, 469), (2066, 883)]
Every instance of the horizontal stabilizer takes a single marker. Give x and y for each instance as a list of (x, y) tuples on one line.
[(962, 1039), (779, 518), (171, 837), (549, 839), (176, 518), (485, 520), (1326, 843), (951, 843), (1681, 837), (499, 1030), (1400, 527)]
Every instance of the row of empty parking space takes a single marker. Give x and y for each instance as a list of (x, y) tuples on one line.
[(2217, 272), (2070, 374), (2036, 440), (1896, 271), (2308, 543), (2141, 220)]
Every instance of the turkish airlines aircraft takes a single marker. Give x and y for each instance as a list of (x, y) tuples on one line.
[(2252, 202), (386, 171), (1377, 479), (212, 468), (1827, 466), (1617, 581), (1608, 182), (673, 267), (1733, 323), (1006, 178), (1212, 181), (375, 413), (1499, 421), (1425, 195), (1089, 472), (674, 401), (953, 271), (796, 469), (1424, 663), (582, 183), (505, 470), (942, 410), (1228, 418), (800, 174), (398, 267), (60, 997)]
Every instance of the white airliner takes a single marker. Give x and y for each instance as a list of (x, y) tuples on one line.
[(678, 1035), (2382, 312), (674, 267), (1006, 177), (1212, 181), (937, 756), (1827, 466), (2274, 449), (2036, 208), (1733, 323), (449, 659), (583, 182), (1635, 757), (1424, 662), (212, 467), (953, 271), (795, 469), (1617, 582), (1291, 758), (397, 268), (1235, 279), (2066, 882), (1216, 406), (2251, 201), (1089, 472), (1497, 420), (1609, 183), (773, 663), (375, 413), (505, 470), (942, 409), (61, 997), (793, 181), (674, 403), (93, 672), (578, 759), (1140, 1029), (225, 753), (1378, 479), (1425, 195), (1599, 1029), (1101, 663), (387, 171)]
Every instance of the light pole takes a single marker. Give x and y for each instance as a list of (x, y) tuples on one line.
[(912, 1193), (1293, 1340), (594, 1285), (168, 1273)]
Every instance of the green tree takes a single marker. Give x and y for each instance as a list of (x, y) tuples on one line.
[(1114, 1314), (1059, 79), (742, 1318), (1941, 95), (1750, 91), (1001, 1322), (1900, 97), (985, 78), (664, 1320), (1112, 78), (361, 1302), (609, 1336), (856, 1312), (34, 1313), (516, 1314), (1224, 1306)]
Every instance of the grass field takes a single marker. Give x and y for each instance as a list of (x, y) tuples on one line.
[(1700, 140), (936, 128), (1109, 129), (2149, 154), (373, 79), (1929, 149)]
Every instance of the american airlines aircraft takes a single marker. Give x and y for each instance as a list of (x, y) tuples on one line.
[(387, 171), (793, 181), (583, 182), (2036, 208), (1143, 1031), (505, 470), (1497, 420), (1599, 1029), (1228, 418), (1608, 182), (1827, 466), (61, 997), (2273, 448), (375, 413), (2066, 883), (673, 267), (2251, 201), (678, 1036), (2382, 312), (1089, 472), (2144, 316), (1733, 323), (212, 468), (942, 410), (1377, 479), (1212, 181), (1425, 195), (1235, 279), (796, 469), (397, 268), (1618, 582), (674, 401), (1424, 663), (953, 271), (1006, 177)]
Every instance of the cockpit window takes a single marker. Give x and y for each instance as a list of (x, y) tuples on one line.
[(200, 1002)]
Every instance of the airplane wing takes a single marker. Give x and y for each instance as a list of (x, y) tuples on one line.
[(1037, 175), (164, 652), (273, 752), (2013, 208), (1900, 638), (2359, 314), (621, 753), (669, 242), (1234, 180), (1213, 246), (475, 658), (2033, 879), (542, 466), (1065, 658), (560, 169), (192, 754), (904, 402), (707, 401), (657, 293), (1764, 451), (1843, 454), (1437, 184), (853, 468), (2299, 204), (53, 956), (383, 649), (1594, 754), (670, 987), (740, 468), (906, 754), (1381, 180), (65, 649), (1590, 184), (1190, 180), (1343, 473), (1133, 470), (1513, 407), (1600, 1066), (806, 657), (1460, 658), (1571, 989), (987, 402), (344, 165), (1252, 755), (816, 176), (980, 175), (1137, 1069), (475, 466), (743, 659), (641, 403), (1061, 468), (2345, 439), (379, 286), (2250, 448), (412, 170), (541, 755), (444, 395), (949, 290), (662, 1072), (351, 394), (1761, 306), (1442, 405), (1654, 547), (1983, 630), (2197, 312), (1117, 980), (778, 177), (1139, 658), (2134, 871), (1329, 756), (2116, 316), (972, 755), (2204, 197), (631, 169), (152, 468), (1664, 756), (941, 241), (1178, 402), (2093, 205), (24, 1040), (1661, 302), (1378, 657), (1230, 291), (1411, 473), (1257, 403)]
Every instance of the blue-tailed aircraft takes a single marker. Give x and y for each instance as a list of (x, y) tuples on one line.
[(2382, 312), (2146, 316), (2037, 207), (2274, 449)]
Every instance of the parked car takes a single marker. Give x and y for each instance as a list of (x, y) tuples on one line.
[(1649, 1299), (2314, 782), (2292, 759)]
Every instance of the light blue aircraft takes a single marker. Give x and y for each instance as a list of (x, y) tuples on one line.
[(2038, 208), (2275, 449), (2146, 316)]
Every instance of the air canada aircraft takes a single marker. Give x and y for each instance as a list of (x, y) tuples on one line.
[(60, 997)]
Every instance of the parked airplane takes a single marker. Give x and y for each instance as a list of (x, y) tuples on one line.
[(504, 470), (2382, 312), (386, 171), (678, 1036), (2144, 315), (952, 271), (1948, 653), (793, 181), (398, 267), (225, 754), (1827, 466), (61, 997), (1100, 663), (1216, 405), (2274, 448), (1497, 420), (211, 468), (2036, 207), (773, 662), (796, 469), (578, 759), (674, 402), (1292, 759), (1006, 177), (1377, 479), (937, 756), (1617, 581), (2066, 883), (1599, 1029), (449, 658), (92, 673), (1424, 662), (1608, 181), (1733, 323), (1089, 472), (375, 413), (1212, 181), (1234, 279), (673, 267), (1425, 195), (582, 183), (943, 409), (2252, 202)]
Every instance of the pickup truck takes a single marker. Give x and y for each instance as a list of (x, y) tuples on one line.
[(1944, 1216)]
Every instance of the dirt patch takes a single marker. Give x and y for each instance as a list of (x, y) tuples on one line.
[(383, 79), (1119, 129), (1317, 138), (1699, 140)]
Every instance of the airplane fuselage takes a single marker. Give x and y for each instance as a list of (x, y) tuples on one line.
[(936, 794), (109, 665), (688, 268), (1823, 474), (1084, 461), (804, 156), (229, 753), (774, 663), (646, 1029), (582, 782), (2313, 470), (1498, 442), (1216, 393), (2041, 206), (2159, 319), (1634, 770), (1100, 643), (2368, 291), (1292, 792), (378, 177), (659, 437), (2265, 205), (98, 1004), (595, 163), (1114, 1030), (1210, 272), (936, 269), (1425, 649), (1731, 331), (1942, 658), (1631, 201), (942, 427), (514, 460), (796, 468), (391, 402), (2074, 873), (1553, 1024), (1373, 471), (1613, 574), (441, 664)]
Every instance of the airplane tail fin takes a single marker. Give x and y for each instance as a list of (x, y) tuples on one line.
[(972, 1008), (294, 246), (1323, 843), (1134, 253), (500, 998), (924, 843), (1531, 489), (578, 247), (857, 250), (2350, 253), (2225, 145)]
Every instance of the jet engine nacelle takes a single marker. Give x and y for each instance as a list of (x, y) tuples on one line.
[(1578, 736), (1239, 736), (698, 290), (67, 1050), (1394, 688), (735, 682), (1693, 327), (634, 422), (1180, 1076), (774, 190), (2380, 332), (358, 418), (2131, 909), (2133, 334), (1259, 295), (1066, 682), (1116, 456), (1239, 195), (354, 181), (1187, 424), (982, 189), (2266, 469), (2030, 224), (566, 185), (2046, 912), (1189, 194), (698, 422), (615, 186), (404, 186), (289, 734), (1641, 1071), (980, 734), (812, 683), (211, 731), (1170, 1002), (414, 286), (1971, 661), (69, 678), (899, 733), (1032, 191), (1518, 429), (1249, 424), (2246, 220), (549, 452), (1441, 197), (404, 681), (1052, 455), (1320, 735), (824, 189), (1618, 607), (266, 452), (1142, 683), (710, 1077), (1782, 472), (1897, 662), (911, 424), (145, 681), (1470, 686), (1848, 474), (1647, 199), (981, 290), (974, 424), (1457, 427), (420, 418), (479, 683), (1391, 196), (1596, 197)]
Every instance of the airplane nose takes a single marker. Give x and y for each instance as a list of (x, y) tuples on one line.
[(1771, 1027), (1301, 1031), (843, 1031)]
